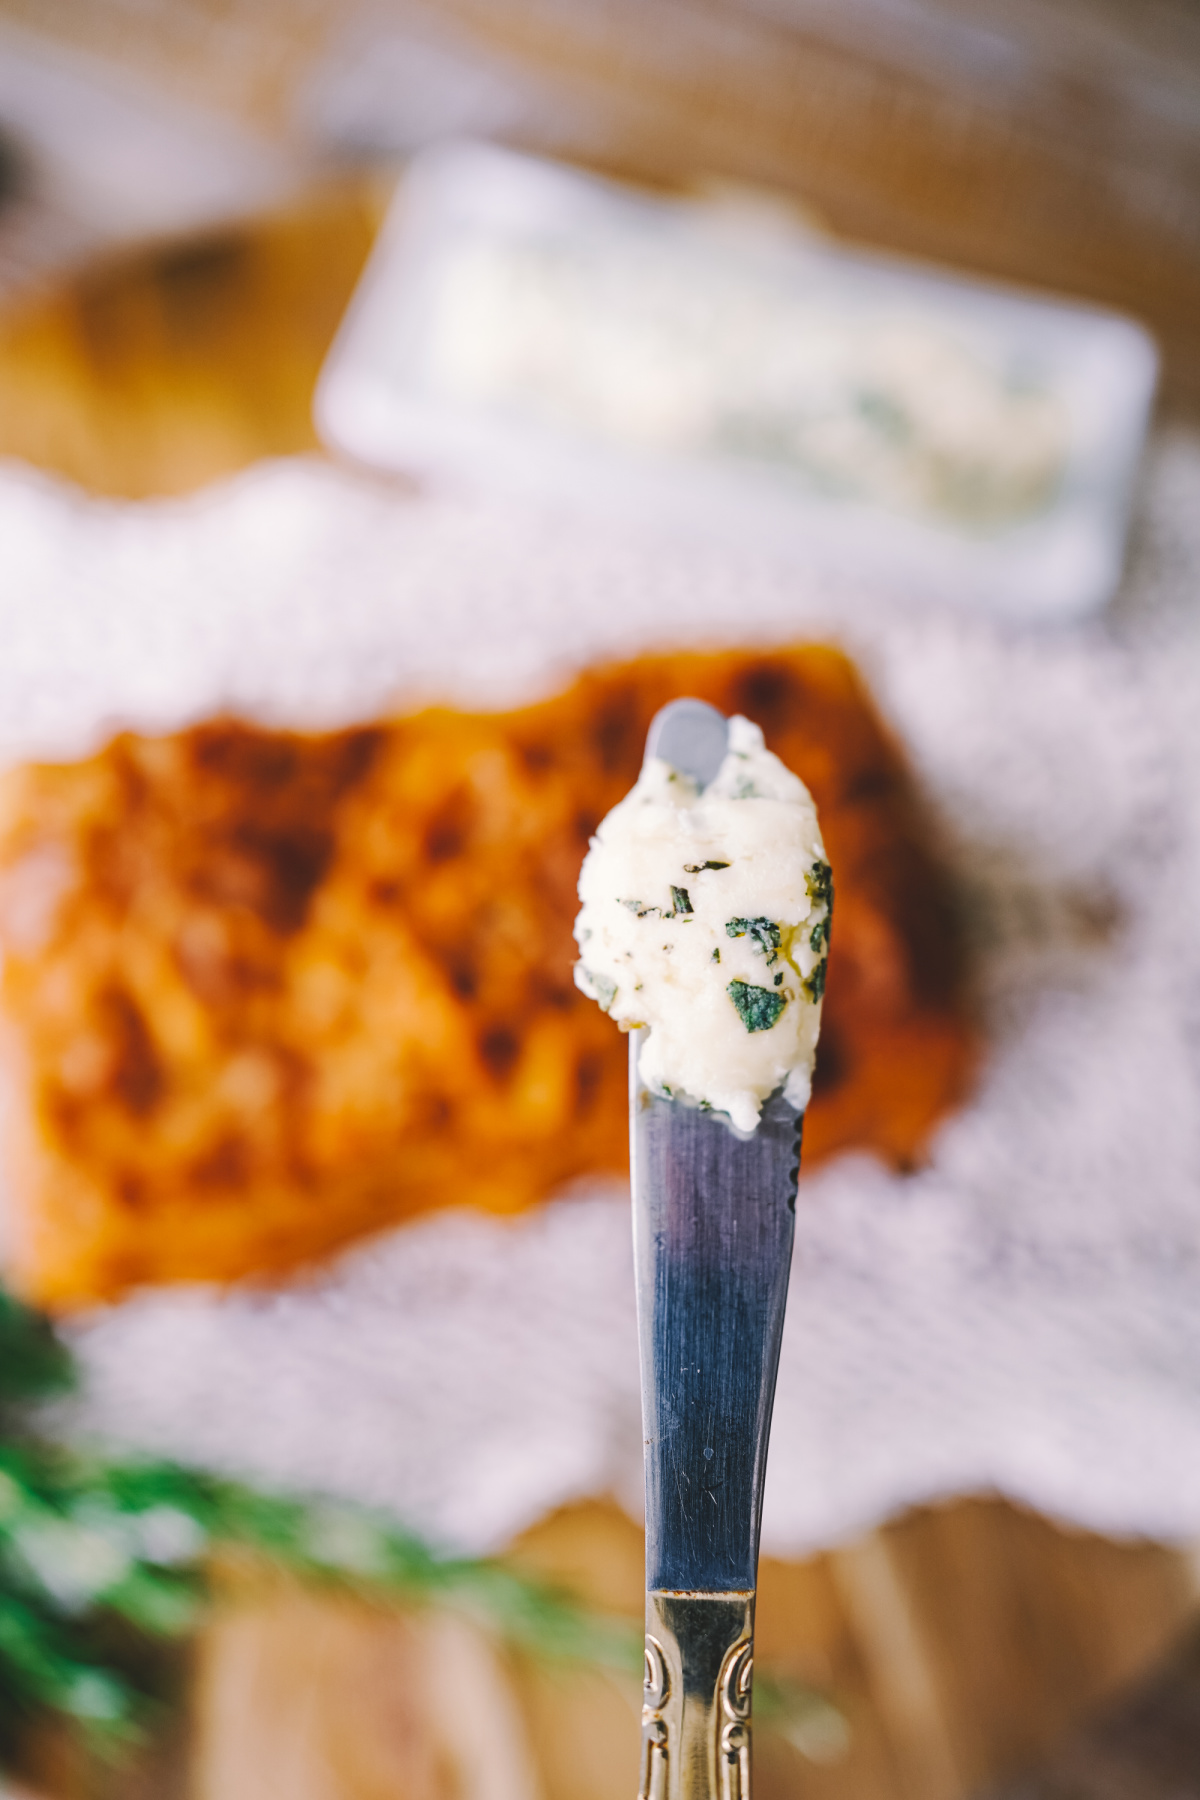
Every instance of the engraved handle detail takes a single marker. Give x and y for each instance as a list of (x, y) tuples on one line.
[(697, 1695), (656, 1691), (733, 1748)]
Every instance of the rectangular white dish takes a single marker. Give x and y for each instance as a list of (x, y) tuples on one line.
[(524, 327)]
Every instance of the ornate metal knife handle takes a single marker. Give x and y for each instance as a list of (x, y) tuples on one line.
[(696, 1710)]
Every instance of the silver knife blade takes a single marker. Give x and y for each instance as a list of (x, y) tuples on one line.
[(713, 1217)]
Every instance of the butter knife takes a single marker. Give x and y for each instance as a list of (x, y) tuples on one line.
[(713, 1218)]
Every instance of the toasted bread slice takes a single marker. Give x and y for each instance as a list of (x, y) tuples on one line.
[(265, 991)]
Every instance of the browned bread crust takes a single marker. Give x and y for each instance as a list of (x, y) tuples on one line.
[(266, 990)]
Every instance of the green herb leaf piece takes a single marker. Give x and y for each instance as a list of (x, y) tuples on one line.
[(699, 868), (820, 933), (758, 1008), (34, 1363), (681, 901), (602, 988), (819, 882), (814, 987), (763, 933)]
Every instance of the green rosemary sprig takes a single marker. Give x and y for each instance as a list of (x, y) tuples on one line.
[(95, 1550), (99, 1553)]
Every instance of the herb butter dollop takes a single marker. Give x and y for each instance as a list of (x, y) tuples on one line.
[(705, 916)]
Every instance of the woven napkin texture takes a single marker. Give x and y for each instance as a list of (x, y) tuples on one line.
[(1020, 1316)]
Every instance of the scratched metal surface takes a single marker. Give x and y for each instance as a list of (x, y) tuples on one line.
[(713, 1224)]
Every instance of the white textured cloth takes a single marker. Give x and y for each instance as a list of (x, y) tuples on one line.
[(1021, 1316)]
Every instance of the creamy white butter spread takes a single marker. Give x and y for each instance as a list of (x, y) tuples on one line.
[(602, 332), (705, 917)]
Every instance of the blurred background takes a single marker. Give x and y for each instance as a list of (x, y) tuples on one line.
[(290, 701)]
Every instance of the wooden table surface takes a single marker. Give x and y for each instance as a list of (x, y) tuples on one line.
[(1055, 142)]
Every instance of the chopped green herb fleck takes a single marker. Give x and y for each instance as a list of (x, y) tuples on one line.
[(819, 882), (699, 868), (814, 987), (681, 901), (779, 979), (716, 956), (603, 988), (820, 933), (758, 1008), (762, 932)]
